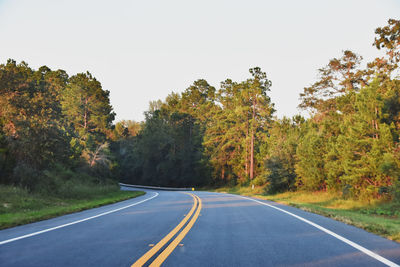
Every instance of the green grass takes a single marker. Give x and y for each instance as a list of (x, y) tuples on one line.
[(378, 217), (17, 206)]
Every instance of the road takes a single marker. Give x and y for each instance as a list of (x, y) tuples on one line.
[(198, 229)]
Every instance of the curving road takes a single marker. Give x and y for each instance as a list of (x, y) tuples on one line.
[(194, 229)]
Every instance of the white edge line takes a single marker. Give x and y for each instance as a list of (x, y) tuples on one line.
[(74, 222), (341, 238)]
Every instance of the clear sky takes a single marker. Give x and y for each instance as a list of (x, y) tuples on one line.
[(143, 50)]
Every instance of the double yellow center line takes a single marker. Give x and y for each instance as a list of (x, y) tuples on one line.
[(168, 250)]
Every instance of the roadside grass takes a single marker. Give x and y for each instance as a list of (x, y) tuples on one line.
[(378, 217), (18, 206)]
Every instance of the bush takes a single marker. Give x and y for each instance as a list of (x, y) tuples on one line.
[(26, 177), (281, 176), (79, 190), (394, 191), (62, 182), (66, 183), (243, 181), (347, 191), (259, 180)]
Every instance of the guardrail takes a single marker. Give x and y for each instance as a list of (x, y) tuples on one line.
[(157, 187)]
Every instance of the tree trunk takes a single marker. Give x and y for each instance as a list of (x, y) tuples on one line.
[(252, 141), (376, 123), (252, 156), (85, 115), (246, 161)]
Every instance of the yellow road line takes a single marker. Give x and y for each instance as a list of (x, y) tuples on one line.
[(164, 255), (159, 245)]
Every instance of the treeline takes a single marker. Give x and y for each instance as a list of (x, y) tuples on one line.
[(54, 130), (203, 136), (349, 144), (57, 130)]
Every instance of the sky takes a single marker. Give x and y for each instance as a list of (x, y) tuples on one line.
[(143, 50)]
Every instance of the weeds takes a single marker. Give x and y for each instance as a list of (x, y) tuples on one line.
[(19, 206)]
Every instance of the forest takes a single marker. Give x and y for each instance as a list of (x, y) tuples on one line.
[(57, 132)]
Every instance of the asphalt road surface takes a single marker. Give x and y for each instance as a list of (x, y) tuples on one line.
[(194, 229)]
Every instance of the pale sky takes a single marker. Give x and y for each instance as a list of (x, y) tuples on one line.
[(143, 50)]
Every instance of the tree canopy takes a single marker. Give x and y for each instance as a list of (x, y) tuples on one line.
[(211, 136)]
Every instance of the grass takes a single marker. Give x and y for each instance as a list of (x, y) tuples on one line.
[(378, 217), (17, 206)]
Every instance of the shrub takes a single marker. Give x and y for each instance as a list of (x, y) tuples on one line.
[(259, 180), (25, 176)]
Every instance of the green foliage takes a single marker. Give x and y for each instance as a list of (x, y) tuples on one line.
[(40, 131), (388, 37), (19, 206), (234, 137), (31, 114), (53, 126), (201, 136), (310, 165), (259, 180), (65, 183), (125, 129), (280, 162), (366, 145), (87, 110), (341, 76), (167, 152), (87, 106)]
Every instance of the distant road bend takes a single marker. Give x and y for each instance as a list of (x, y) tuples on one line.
[(172, 228)]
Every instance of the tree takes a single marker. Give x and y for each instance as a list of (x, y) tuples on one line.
[(197, 100), (126, 128), (310, 165), (388, 37), (261, 109), (34, 131), (86, 107), (220, 142), (32, 113), (167, 152), (239, 126), (367, 145), (284, 137), (336, 79)]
